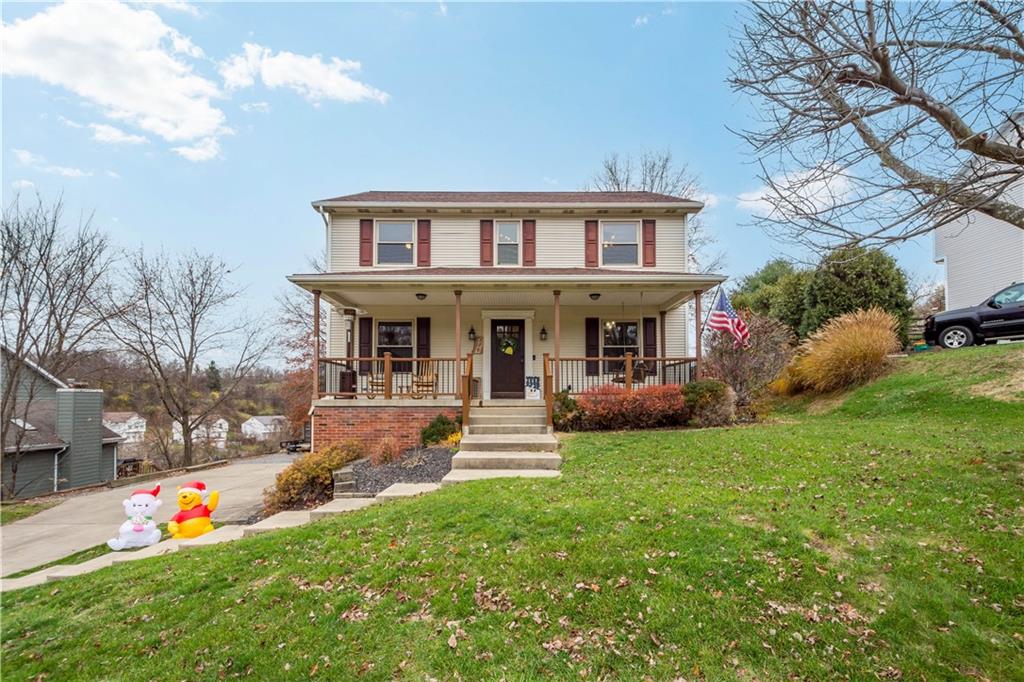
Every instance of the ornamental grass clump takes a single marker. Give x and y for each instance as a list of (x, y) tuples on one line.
[(309, 480), (848, 351)]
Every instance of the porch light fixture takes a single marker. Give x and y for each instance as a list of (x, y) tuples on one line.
[(594, 296), (543, 334), (472, 333), (421, 296)]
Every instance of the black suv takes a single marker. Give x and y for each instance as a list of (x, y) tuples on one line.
[(1000, 317)]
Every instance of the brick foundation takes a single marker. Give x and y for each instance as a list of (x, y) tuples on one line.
[(333, 425)]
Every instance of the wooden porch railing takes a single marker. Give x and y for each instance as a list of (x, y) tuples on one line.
[(390, 377), (467, 391), (579, 375)]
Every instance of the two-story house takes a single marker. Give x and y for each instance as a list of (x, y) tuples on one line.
[(437, 301)]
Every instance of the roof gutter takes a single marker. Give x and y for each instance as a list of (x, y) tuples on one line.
[(685, 205)]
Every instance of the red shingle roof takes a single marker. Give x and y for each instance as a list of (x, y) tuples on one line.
[(507, 197)]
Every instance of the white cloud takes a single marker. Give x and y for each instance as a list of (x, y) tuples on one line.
[(23, 184), (816, 190), (710, 200), (176, 5), (39, 163), (123, 59), (641, 20), (101, 132), (204, 150), (113, 174), (311, 77), (442, 8), (550, 181), (256, 107)]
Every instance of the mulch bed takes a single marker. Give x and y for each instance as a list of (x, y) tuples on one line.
[(419, 465)]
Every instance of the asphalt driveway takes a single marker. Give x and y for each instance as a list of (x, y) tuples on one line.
[(88, 519)]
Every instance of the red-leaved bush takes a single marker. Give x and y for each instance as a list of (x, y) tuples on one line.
[(607, 408)]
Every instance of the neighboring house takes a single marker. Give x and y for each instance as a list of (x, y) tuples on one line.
[(129, 425), (520, 285), (57, 440), (213, 432), (982, 255), (264, 428)]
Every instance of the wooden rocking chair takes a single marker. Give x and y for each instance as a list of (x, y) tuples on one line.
[(425, 380)]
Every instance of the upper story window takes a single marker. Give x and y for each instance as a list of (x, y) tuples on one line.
[(395, 239), (619, 242), (507, 244)]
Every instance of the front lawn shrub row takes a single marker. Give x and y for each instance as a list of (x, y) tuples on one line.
[(309, 481), (612, 408)]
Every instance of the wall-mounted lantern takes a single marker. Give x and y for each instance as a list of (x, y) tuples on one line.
[(543, 334), (472, 333)]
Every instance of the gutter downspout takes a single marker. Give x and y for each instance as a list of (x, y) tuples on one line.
[(56, 458)]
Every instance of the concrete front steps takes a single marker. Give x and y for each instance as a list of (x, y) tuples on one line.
[(506, 438)]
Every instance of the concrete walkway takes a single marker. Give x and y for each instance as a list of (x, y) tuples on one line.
[(88, 519)]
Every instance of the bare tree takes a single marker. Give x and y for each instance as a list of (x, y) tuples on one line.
[(657, 172), (295, 339), (182, 311), (53, 288), (880, 121)]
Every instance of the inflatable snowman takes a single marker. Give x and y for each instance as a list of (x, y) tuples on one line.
[(140, 530)]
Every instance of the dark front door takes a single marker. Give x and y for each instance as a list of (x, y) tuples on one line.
[(508, 357)]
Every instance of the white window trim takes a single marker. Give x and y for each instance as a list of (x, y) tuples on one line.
[(376, 338), (639, 242), (376, 241), (519, 244)]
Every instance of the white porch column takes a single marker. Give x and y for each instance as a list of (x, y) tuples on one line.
[(558, 338)]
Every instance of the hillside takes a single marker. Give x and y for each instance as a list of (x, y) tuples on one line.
[(882, 536)]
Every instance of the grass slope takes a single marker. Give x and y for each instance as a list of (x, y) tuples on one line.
[(16, 511), (883, 538)]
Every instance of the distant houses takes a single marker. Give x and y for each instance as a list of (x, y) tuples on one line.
[(213, 432), (56, 438), (264, 427), (129, 425)]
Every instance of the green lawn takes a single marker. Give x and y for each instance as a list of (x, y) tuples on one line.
[(16, 511), (882, 538)]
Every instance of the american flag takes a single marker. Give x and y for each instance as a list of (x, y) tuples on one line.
[(724, 319)]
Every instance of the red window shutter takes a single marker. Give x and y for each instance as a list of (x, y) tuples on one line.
[(592, 335), (486, 242), (650, 337), (650, 259), (423, 243), (365, 343), (423, 337), (590, 244), (529, 243), (366, 241)]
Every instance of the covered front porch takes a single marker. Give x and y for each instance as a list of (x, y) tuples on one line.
[(434, 334)]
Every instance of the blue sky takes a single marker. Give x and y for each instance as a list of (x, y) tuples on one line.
[(160, 120)]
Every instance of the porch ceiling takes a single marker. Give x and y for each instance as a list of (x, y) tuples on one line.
[(362, 290)]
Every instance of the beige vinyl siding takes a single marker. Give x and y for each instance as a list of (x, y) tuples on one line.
[(677, 333), (982, 255), (455, 241), (336, 325)]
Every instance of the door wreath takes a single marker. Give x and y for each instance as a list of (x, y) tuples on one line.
[(508, 346)]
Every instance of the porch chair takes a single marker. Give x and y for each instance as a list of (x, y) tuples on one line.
[(425, 380), (374, 382)]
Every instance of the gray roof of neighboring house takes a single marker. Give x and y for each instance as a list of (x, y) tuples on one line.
[(42, 434), (469, 198)]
